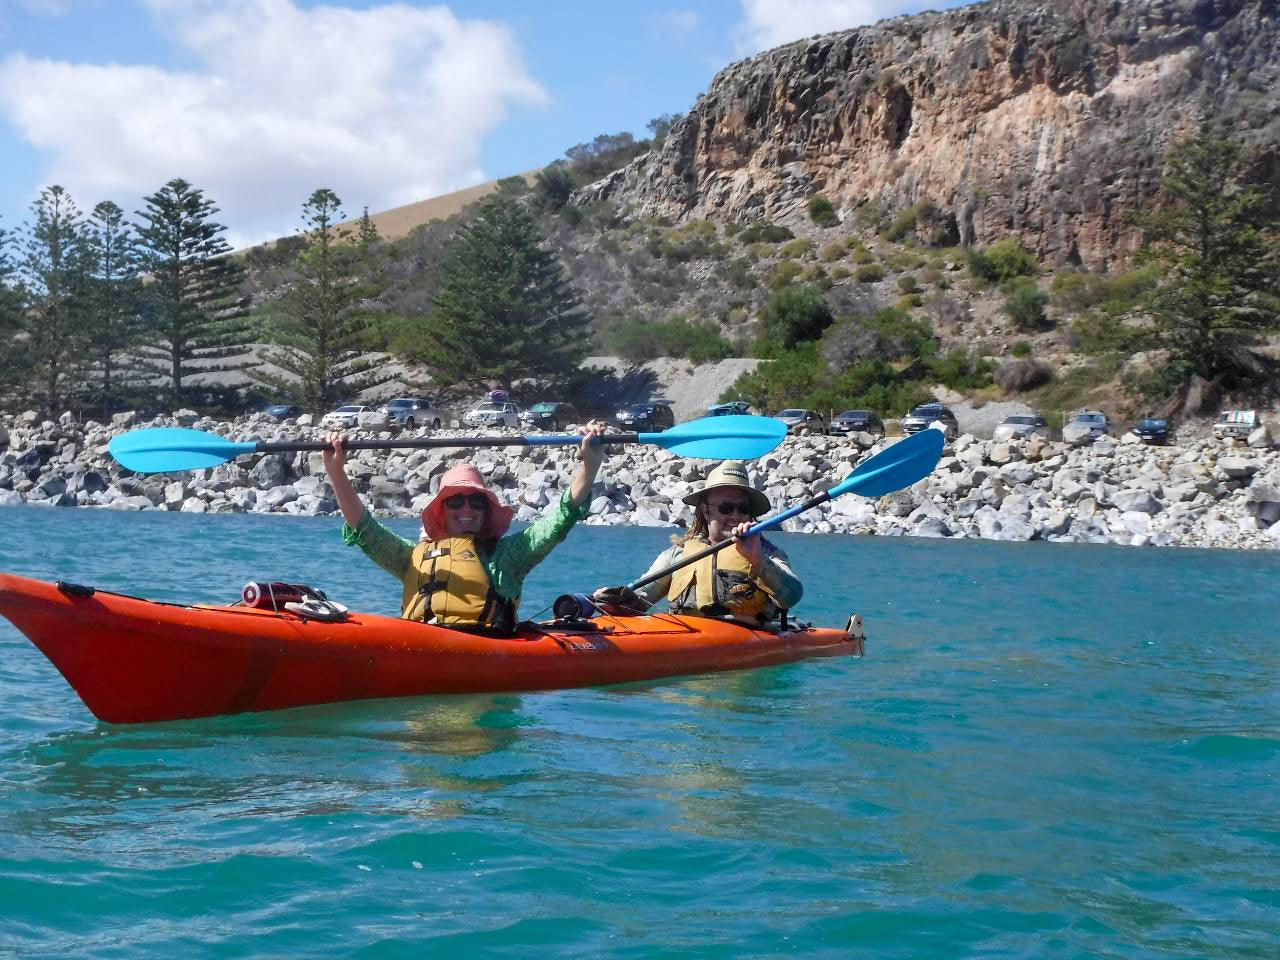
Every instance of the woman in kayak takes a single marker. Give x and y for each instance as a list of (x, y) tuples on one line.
[(467, 572), (750, 581)]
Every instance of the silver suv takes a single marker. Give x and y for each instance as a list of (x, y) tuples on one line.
[(927, 414), (413, 412)]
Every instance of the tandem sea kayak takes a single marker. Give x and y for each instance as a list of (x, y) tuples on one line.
[(139, 661)]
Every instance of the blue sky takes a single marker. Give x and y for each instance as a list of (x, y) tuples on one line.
[(261, 101)]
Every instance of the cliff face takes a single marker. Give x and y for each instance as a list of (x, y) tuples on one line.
[(1043, 122)]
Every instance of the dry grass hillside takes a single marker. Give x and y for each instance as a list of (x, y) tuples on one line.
[(399, 221)]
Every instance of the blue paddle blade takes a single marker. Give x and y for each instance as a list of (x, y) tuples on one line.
[(735, 437), (166, 449), (901, 465)]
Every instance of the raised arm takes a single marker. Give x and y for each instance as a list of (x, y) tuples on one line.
[(335, 466)]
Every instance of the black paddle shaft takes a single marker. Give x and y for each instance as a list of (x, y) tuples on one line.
[(715, 547), (454, 442)]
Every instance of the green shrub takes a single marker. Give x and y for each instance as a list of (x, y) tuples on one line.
[(822, 212), (1002, 261), (1017, 376), (1104, 332), (812, 273), (793, 314), (932, 277), (637, 339), (1020, 348), (1077, 291), (737, 273), (1025, 306), (886, 361), (905, 260), (909, 301), (795, 248), (760, 250), (906, 220), (869, 273), (783, 272), (761, 232), (861, 254), (693, 240), (840, 273), (907, 283), (832, 251)]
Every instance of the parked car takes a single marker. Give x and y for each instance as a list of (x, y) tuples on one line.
[(856, 421), (283, 411), (413, 412), (345, 417), (926, 414), (550, 415), (1236, 423), (648, 417), (1152, 430), (798, 419), (1095, 423), (490, 414), (732, 408), (1022, 426)]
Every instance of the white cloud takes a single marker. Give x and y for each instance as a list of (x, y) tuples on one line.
[(385, 105), (678, 25), (770, 23)]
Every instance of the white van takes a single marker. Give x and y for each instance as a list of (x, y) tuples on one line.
[(1236, 423)]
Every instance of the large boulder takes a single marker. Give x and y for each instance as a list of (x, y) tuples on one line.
[(1136, 501)]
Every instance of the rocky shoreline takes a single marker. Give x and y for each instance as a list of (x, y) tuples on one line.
[(1208, 493)]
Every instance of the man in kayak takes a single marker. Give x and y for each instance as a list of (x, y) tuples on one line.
[(750, 581), (467, 572)]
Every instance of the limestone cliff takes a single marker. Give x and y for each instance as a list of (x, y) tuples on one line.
[(1047, 122)]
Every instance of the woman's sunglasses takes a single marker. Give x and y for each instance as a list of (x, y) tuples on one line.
[(477, 501), (728, 509)]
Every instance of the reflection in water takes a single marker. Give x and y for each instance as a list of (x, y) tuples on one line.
[(395, 756)]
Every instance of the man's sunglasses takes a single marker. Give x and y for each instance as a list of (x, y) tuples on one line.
[(477, 501), (727, 509)]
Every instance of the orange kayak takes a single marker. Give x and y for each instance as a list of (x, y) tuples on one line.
[(138, 661)]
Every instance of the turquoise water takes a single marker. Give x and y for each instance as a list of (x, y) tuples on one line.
[(1049, 751)]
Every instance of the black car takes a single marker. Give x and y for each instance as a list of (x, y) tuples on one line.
[(856, 421), (551, 415), (648, 417), (926, 414), (283, 411), (731, 408), (1153, 430)]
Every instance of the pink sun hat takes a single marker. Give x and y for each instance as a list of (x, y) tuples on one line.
[(464, 478)]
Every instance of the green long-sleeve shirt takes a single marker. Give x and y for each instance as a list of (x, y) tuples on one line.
[(512, 559)]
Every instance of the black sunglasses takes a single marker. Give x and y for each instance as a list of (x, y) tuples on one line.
[(737, 506), (478, 501)]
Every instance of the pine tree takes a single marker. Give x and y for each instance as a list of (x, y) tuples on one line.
[(196, 321), (115, 301), (317, 332), (53, 269), (366, 232), (504, 309), (1218, 247), (11, 306)]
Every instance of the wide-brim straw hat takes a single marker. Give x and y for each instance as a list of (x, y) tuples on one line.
[(464, 478), (730, 475)]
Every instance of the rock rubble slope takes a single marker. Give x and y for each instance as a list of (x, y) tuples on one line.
[(1205, 494)]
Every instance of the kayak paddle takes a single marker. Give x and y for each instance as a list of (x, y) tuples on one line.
[(166, 449), (892, 469)]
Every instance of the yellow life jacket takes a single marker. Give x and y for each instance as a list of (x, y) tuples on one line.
[(447, 583), (718, 584)]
